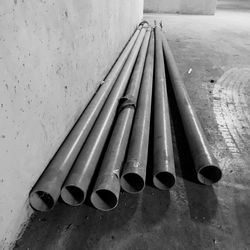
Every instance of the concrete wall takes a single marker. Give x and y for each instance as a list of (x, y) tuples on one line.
[(234, 4), (53, 54), (205, 7)]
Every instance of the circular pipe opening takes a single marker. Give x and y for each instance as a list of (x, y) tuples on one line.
[(72, 195), (104, 200), (132, 183), (164, 180), (41, 201), (209, 175)]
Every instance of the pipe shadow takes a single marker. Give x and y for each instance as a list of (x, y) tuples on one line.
[(154, 206), (202, 200), (75, 227)]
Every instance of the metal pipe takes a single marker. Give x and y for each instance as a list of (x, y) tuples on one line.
[(75, 188), (163, 166), (206, 165), (134, 170), (46, 191), (106, 191)]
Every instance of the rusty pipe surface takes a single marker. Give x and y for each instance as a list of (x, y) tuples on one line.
[(206, 165), (46, 191), (105, 195), (163, 158), (134, 170), (75, 188)]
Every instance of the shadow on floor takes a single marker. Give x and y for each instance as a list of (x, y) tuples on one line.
[(83, 227)]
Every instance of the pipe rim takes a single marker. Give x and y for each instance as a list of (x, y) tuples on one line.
[(104, 199), (41, 201), (209, 174), (132, 183), (164, 180), (72, 195)]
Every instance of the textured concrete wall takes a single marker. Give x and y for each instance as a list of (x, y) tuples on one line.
[(234, 4), (205, 7), (53, 54)]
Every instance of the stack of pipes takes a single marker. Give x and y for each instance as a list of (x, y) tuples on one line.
[(108, 146)]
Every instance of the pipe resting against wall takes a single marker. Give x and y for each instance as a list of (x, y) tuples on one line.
[(206, 165), (46, 191), (105, 195), (85, 143), (75, 188), (134, 170), (163, 158)]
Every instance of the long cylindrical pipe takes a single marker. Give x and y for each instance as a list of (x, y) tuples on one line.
[(163, 166), (46, 191), (106, 191), (75, 188), (207, 168), (134, 170)]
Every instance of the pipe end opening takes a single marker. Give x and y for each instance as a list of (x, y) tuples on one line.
[(209, 175), (72, 195), (104, 200), (41, 201), (164, 180), (132, 183)]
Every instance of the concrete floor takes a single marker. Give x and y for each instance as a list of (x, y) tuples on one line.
[(190, 216)]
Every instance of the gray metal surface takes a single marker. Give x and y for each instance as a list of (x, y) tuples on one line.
[(76, 185), (134, 170), (46, 191), (163, 166), (206, 165), (105, 195)]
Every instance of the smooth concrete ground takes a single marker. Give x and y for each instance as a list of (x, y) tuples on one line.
[(212, 53)]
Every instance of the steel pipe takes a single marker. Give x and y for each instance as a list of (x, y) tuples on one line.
[(46, 191), (75, 188), (163, 159), (106, 191), (206, 165), (134, 170)]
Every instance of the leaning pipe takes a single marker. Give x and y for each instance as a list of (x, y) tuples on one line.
[(76, 185), (134, 170), (106, 191), (163, 159), (206, 165), (46, 191)]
